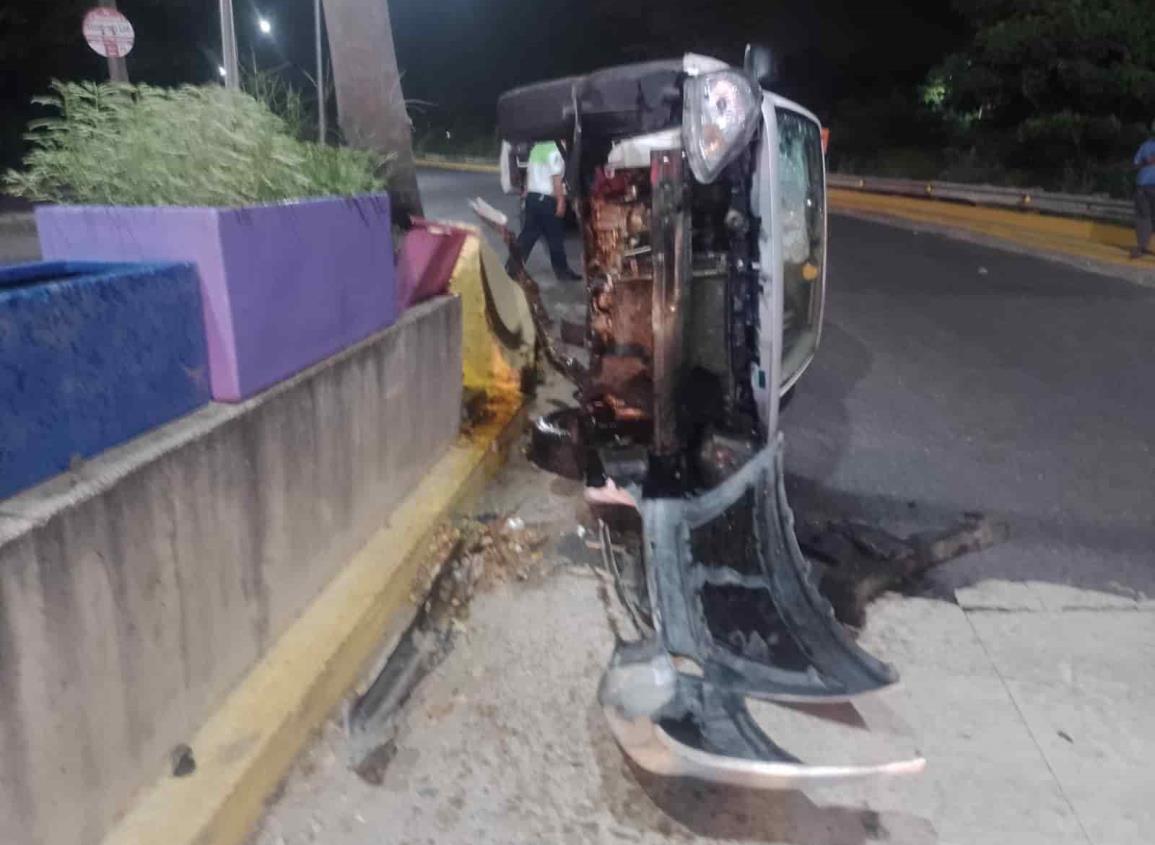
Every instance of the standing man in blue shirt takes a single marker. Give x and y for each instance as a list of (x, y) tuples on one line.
[(1145, 195)]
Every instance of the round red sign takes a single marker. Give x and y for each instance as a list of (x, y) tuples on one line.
[(108, 32)]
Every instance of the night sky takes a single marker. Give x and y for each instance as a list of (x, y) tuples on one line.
[(458, 55)]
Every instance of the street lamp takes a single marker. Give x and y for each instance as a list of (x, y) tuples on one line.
[(222, 71), (265, 26)]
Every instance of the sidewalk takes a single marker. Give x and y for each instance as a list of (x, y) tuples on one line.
[(1034, 718)]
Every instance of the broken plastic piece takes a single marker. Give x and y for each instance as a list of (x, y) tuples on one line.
[(676, 725), (733, 592), (732, 597)]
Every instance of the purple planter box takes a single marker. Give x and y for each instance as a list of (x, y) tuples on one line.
[(283, 286)]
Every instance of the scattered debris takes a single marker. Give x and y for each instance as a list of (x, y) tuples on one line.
[(573, 333), (371, 767), (626, 588), (555, 444), (859, 562), (465, 558), (872, 825), (610, 495), (475, 408), (183, 762)]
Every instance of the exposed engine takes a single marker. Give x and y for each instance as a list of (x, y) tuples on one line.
[(704, 414)]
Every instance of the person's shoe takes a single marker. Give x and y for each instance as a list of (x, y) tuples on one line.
[(1137, 253), (568, 275)]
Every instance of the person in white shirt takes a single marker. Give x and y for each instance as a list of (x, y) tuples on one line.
[(545, 208)]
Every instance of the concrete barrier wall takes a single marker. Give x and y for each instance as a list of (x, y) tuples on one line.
[(137, 591)]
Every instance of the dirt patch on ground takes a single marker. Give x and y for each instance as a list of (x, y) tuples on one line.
[(471, 555)]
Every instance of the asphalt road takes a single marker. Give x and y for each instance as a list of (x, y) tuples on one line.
[(952, 378)]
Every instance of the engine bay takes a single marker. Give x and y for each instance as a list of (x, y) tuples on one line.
[(703, 414)]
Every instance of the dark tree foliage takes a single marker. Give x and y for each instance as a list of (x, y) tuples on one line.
[(1062, 91)]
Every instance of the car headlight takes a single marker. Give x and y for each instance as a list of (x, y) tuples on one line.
[(720, 115)]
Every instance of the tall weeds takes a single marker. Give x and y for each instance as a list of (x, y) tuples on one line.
[(116, 144)]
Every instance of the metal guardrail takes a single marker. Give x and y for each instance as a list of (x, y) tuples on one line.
[(1022, 199), (1079, 206)]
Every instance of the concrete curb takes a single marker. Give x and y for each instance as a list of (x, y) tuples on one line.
[(246, 749), (465, 165)]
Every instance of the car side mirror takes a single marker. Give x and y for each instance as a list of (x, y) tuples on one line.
[(760, 64)]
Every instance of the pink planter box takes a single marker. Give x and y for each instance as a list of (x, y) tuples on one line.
[(428, 255), (283, 286)]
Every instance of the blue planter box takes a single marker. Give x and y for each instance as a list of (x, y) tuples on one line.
[(91, 355)]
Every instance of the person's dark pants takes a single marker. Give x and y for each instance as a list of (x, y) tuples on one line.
[(1144, 215), (541, 219)]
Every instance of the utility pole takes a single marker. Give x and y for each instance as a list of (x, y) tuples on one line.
[(370, 104), (318, 23), (117, 67), (229, 46)]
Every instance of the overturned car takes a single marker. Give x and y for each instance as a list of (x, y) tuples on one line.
[(701, 199)]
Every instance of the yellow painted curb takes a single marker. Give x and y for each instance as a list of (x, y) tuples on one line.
[(493, 357), (248, 746), (451, 164), (1087, 240)]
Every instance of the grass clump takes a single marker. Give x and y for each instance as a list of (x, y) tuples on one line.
[(114, 144)]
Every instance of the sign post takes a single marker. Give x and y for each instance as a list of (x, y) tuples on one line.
[(229, 46), (110, 34), (318, 24)]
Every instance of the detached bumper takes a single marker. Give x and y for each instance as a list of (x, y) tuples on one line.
[(732, 598), (677, 726)]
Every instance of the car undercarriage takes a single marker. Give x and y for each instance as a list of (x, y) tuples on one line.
[(704, 271)]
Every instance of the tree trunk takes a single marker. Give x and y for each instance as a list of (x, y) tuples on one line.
[(370, 104)]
